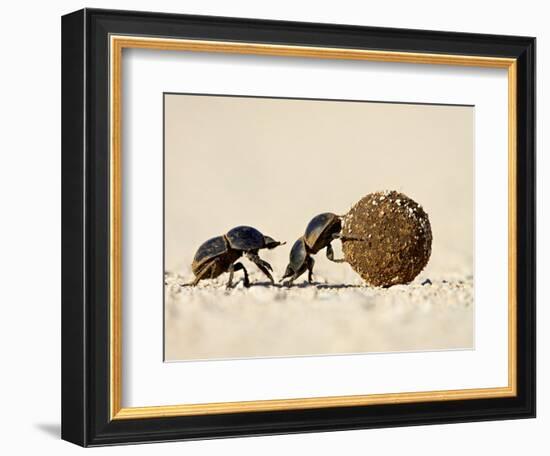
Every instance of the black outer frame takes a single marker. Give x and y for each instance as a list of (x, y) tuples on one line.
[(85, 227)]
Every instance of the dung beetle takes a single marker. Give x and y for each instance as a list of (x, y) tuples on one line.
[(218, 255), (320, 232)]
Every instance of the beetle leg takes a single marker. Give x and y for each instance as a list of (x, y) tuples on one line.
[(330, 255), (345, 238), (237, 267), (240, 266), (288, 272), (290, 281), (295, 274), (231, 271), (263, 266), (253, 256), (310, 263)]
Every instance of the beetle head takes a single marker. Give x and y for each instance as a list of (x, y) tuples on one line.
[(271, 243), (288, 272)]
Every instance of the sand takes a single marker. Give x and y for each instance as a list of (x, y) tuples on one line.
[(274, 167), (335, 316)]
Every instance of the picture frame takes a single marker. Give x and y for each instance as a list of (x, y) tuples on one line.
[(93, 42)]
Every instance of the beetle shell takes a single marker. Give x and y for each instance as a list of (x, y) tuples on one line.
[(298, 255), (245, 238), (320, 229), (210, 249)]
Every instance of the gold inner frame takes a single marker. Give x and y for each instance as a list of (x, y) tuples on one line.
[(117, 44)]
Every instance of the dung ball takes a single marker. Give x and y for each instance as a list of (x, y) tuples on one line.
[(391, 238)]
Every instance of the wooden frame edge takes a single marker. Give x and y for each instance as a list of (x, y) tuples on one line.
[(165, 411), (115, 213), (512, 227), (120, 42)]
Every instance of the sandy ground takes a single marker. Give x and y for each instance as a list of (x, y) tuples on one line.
[(328, 317), (274, 165)]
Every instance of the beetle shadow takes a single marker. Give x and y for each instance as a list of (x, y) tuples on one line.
[(318, 285), (329, 286)]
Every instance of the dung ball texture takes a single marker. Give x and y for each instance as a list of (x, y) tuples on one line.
[(395, 238)]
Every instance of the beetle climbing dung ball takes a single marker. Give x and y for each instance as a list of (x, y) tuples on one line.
[(396, 238)]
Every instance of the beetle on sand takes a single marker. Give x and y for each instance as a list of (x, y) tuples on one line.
[(219, 254), (320, 232)]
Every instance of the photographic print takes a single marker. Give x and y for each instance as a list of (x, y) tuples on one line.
[(246, 200), (298, 227)]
